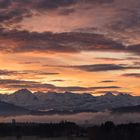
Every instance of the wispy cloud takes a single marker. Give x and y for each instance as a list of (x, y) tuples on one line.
[(107, 81), (101, 67), (135, 75), (17, 84)]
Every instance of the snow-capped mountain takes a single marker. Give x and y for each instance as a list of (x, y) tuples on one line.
[(64, 101), (109, 100), (69, 101), (21, 97)]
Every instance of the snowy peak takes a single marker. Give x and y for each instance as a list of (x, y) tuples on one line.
[(23, 91), (23, 94), (124, 95), (22, 97), (109, 94)]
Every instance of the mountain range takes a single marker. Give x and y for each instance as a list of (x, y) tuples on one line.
[(10, 109), (25, 102)]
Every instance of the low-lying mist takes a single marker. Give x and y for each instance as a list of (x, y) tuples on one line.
[(80, 118)]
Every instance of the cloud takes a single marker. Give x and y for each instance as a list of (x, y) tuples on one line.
[(30, 62), (70, 42), (106, 87), (136, 63), (67, 11), (86, 89), (48, 73), (109, 59), (25, 41), (11, 83), (55, 4), (57, 80), (136, 75), (18, 84), (125, 22), (120, 17), (102, 67), (11, 12), (7, 72), (124, 25), (134, 48), (14, 11), (108, 81), (5, 3), (35, 72), (126, 18)]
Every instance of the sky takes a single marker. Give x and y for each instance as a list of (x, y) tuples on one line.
[(70, 46)]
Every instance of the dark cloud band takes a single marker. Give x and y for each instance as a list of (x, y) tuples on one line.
[(101, 67), (17, 84)]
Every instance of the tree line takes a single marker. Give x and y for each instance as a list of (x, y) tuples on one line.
[(105, 131)]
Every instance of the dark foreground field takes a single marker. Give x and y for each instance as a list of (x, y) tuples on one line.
[(68, 131), (37, 138)]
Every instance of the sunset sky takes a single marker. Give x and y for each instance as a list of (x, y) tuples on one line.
[(70, 45)]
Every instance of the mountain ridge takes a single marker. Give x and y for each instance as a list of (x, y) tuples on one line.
[(69, 101)]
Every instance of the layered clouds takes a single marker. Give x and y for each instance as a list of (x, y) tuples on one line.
[(70, 45), (24, 41)]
